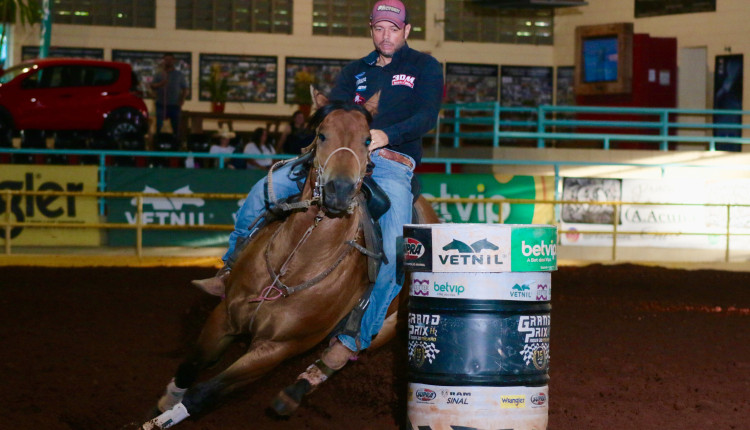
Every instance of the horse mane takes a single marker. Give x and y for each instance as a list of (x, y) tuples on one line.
[(322, 112)]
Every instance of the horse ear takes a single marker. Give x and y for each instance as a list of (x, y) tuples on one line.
[(371, 105), (319, 99)]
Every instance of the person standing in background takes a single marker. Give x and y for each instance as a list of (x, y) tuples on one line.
[(170, 88)]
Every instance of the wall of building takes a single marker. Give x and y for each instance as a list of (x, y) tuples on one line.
[(299, 44)]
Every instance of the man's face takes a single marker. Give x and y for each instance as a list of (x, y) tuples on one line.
[(388, 38), (168, 61)]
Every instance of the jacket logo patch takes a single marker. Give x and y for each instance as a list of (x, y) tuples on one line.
[(358, 99), (403, 80)]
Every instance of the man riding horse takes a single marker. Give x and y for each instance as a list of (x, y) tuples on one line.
[(410, 84)]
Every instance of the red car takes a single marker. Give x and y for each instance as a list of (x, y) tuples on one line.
[(71, 94)]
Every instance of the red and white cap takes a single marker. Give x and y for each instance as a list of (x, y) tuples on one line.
[(389, 10)]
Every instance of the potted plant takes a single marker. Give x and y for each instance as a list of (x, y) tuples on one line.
[(217, 87), (302, 81)]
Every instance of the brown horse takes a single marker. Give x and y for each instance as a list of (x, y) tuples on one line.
[(297, 279)]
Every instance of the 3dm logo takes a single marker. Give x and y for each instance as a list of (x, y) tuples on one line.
[(169, 210), (413, 249), (470, 254)]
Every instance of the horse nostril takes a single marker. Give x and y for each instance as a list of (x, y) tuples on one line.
[(338, 193)]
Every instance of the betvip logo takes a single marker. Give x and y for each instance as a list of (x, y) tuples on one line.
[(169, 210), (539, 250), (481, 252)]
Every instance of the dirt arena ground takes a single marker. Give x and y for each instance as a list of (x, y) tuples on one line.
[(632, 347)]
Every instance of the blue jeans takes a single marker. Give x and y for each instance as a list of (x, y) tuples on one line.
[(172, 114), (395, 180)]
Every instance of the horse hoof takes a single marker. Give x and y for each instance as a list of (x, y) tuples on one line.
[(289, 399)]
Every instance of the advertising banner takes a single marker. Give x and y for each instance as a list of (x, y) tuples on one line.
[(682, 211), (50, 209), (728, 79), (491, 187), (31, 52), (178, 211)]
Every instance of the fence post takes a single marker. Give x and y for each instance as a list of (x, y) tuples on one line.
[(664, 130), (139, 226), (456, 125), (102, 180), (615, 217), (540, 119), (7, 222), (726, 254), (496, 125)]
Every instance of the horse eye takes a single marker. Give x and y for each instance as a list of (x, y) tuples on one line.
[(368, 142), (322, 137)]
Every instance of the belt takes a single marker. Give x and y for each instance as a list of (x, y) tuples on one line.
[(397, 157)]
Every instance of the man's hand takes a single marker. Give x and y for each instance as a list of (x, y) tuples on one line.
[(378, 139)]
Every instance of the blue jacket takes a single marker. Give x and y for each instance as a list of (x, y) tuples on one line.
[(411, 89)]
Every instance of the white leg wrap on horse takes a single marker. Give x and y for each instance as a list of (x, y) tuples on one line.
[(171, 397), (167, 419)]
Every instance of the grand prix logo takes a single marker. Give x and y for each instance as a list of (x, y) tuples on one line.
[(481, 252)]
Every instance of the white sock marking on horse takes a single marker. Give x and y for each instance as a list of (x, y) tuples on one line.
[(167, 419), (172, 396)]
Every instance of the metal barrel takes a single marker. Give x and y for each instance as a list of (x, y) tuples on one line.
[(479, 325)]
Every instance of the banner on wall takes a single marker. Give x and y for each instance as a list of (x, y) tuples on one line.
[(181, 210), (50, 209), (31, 52), (301, 72), (468, 83), (249, 78), (694, 217), (146, 64), (490, 187)]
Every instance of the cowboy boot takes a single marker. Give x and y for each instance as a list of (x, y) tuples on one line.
[(216, 285)]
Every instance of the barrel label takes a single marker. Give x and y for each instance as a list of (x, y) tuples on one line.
[(417, 248), (423, 334), (482, 345), (470, 249), (534, 249), (475, 408), (508, 286)]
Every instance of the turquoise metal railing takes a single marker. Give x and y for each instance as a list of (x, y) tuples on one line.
[(542, 124)]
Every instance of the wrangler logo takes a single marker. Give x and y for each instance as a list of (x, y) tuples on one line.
[(403, 80)]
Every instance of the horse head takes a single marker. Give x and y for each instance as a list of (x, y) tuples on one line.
[(342, 133)]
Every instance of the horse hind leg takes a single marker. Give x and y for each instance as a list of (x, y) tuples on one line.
[(333, 359)]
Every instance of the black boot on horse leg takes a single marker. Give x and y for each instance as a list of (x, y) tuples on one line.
[(334, 358)]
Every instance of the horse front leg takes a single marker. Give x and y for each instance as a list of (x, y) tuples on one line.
[(262, 357), (212, 343)]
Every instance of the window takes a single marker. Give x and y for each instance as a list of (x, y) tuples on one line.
[(71, 76), (252, 16), (352, 18), (466, 21), (118, 13)]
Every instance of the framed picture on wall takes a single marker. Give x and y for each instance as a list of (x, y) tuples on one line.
[(524, 86), (146, 64), (299, 73), (565, 94), (31, 52), (644, 8), (249, 78), (465, 83)]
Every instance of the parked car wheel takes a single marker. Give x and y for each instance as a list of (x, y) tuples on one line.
[(124, 122)]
